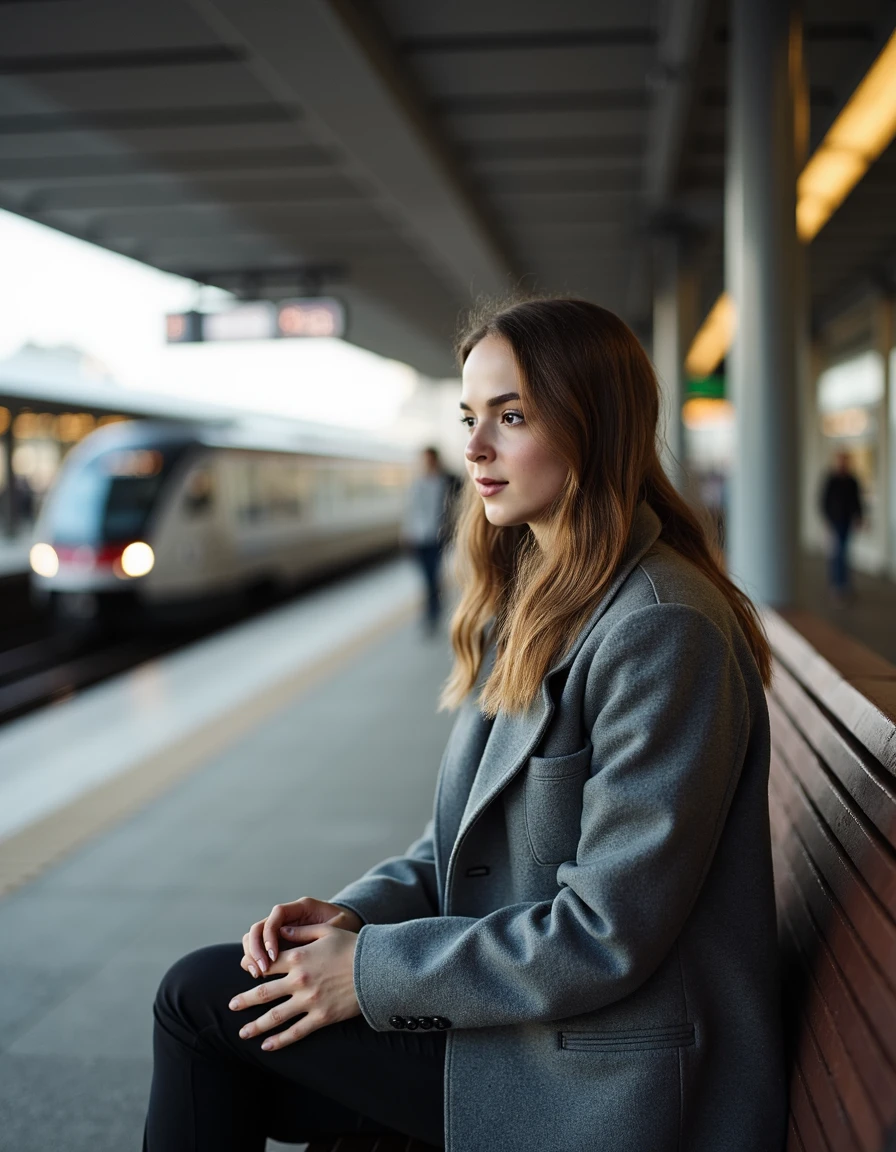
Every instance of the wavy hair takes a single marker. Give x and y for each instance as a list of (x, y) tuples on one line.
[(588, 389)]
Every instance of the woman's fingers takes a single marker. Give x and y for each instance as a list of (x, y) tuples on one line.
[(254, 947), (261, 943), (305, 910), (298, 1031), (279, 915), (284, 990)]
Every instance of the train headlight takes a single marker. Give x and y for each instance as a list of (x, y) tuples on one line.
[(44, 560), (137, 559)]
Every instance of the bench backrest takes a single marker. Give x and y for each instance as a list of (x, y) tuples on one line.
[(832, 798)]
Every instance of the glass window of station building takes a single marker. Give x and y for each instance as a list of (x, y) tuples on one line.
[(33, 444), (851, 409)]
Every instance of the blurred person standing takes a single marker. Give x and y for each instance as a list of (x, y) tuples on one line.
[(427, 525), (841, 506)]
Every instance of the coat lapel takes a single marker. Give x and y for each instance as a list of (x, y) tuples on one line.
[(514, 737)]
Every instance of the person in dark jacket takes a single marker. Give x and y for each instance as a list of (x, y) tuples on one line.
[(841, 506)]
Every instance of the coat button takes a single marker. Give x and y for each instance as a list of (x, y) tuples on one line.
[(441, 1022), (425, 1022), (411, 1023), (396, 1021)]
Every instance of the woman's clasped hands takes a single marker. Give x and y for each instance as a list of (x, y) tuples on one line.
[(316, 975)]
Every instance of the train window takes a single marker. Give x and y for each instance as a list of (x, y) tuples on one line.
[(199, 494), (273, 488), (109, 497)]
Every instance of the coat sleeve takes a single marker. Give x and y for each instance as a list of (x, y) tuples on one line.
[(669, 740), (401, 888)]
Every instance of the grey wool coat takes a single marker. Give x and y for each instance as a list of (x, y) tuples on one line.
[(591, 908)]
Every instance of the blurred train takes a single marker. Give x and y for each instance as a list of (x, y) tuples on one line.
[(171, 520)]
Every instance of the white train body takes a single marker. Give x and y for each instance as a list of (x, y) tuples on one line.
[(179, 516)]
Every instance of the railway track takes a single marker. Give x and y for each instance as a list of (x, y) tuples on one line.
[(39, 666)]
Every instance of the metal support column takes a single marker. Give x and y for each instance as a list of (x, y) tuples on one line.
[(674, 323), (760, 250)]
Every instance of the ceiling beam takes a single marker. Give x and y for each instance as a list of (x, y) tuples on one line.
[(679, 47), (329, 57)]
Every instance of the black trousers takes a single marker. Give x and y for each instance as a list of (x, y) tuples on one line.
[(213, 1092)]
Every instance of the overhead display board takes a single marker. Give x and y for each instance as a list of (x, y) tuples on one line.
[(303, 317)]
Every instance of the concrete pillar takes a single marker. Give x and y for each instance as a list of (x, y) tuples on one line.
[(760, 255), (674, 323)]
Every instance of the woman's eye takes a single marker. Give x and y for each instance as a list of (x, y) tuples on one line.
[(512, 418), (467, 421)]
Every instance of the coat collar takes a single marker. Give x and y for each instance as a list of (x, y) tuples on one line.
[(515, 736)]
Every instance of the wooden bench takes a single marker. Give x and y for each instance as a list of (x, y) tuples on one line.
[(832, 798)]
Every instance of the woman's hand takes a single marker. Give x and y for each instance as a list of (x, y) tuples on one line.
[(261, 944), (317, 979)]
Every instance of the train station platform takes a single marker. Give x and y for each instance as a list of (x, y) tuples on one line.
[(181, 802)]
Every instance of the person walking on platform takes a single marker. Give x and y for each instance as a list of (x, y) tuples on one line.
[(841, 506), (579, 953), (427, 526)]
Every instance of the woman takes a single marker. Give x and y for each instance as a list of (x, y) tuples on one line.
[(585, 934)]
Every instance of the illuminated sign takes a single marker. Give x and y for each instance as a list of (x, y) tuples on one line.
[(251, 321), (303, 317), (323, 316), (183, 327)]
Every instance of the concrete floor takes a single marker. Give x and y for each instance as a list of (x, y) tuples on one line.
[(300, 805), (869, 617)]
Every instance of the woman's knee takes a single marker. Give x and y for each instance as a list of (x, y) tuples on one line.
[(196, 988)]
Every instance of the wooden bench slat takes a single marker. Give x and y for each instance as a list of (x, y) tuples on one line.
[(828, 671), (867, 1054), (810, 639), (860, 840), (802, 1110), (869, 920), (828, 1107), (832, 808), (872, 789), (794, 1143), (854, 1096), (860, 973)]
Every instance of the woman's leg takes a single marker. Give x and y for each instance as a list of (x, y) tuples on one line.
[(213, 1091)]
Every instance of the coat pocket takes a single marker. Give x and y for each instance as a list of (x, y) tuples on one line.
[(554, 804), (629, 1039)]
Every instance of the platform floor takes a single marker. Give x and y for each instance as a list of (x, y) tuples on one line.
[(340, 775), (870, 616)]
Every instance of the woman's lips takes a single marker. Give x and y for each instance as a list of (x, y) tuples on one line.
[(490, 487)]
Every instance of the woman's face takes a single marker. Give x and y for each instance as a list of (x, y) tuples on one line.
[(517, 477)]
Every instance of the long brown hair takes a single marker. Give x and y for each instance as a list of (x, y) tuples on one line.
[(588, 389)]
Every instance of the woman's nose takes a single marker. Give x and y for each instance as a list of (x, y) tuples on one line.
[(478, 447)]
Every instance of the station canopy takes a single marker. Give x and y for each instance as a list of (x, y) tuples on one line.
[(405, 154)]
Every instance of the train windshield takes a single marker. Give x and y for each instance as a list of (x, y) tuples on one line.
[(109, 498)]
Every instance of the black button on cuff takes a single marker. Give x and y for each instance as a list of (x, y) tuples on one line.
[(441, 1022), (425, 1022), (411, 1023), (396, 1021)]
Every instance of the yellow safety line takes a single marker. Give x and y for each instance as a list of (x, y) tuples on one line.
[(26, 853)]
